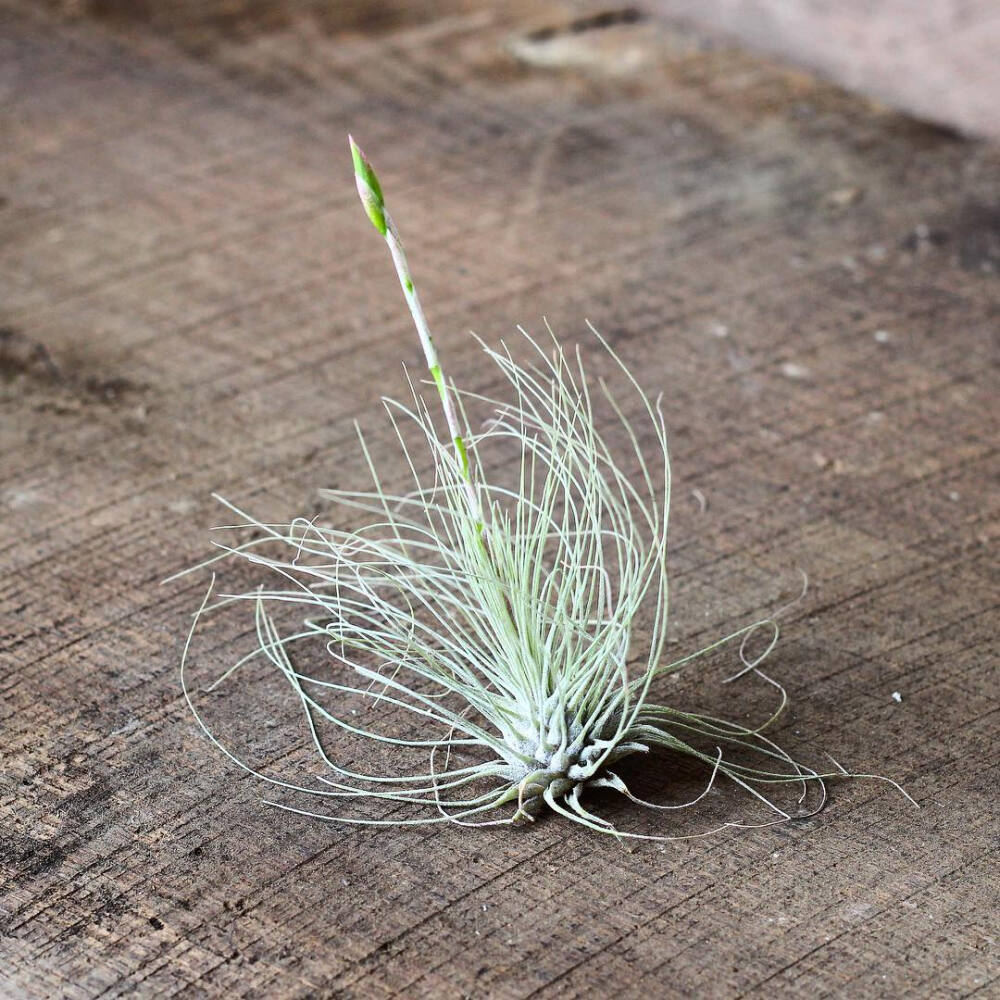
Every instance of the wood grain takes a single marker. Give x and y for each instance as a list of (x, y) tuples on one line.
[(192, 300)]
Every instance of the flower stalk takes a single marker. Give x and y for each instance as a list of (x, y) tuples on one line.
[(370, 192)]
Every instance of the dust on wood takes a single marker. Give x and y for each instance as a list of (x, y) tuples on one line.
[(192, 301)]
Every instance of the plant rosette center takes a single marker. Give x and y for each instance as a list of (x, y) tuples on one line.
[(562, 770)]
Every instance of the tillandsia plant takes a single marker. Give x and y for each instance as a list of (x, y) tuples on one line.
[(518, 622)]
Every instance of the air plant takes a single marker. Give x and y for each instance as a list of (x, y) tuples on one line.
[(518, 624)]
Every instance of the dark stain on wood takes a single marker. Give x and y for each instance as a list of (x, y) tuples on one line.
[(977, 238), (589, 22), (20, 355)]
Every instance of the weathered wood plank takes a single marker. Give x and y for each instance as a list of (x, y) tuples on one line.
[(935, 59), (192, 301)]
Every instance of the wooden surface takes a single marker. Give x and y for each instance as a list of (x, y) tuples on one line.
[(933, 58), (193, 301)]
